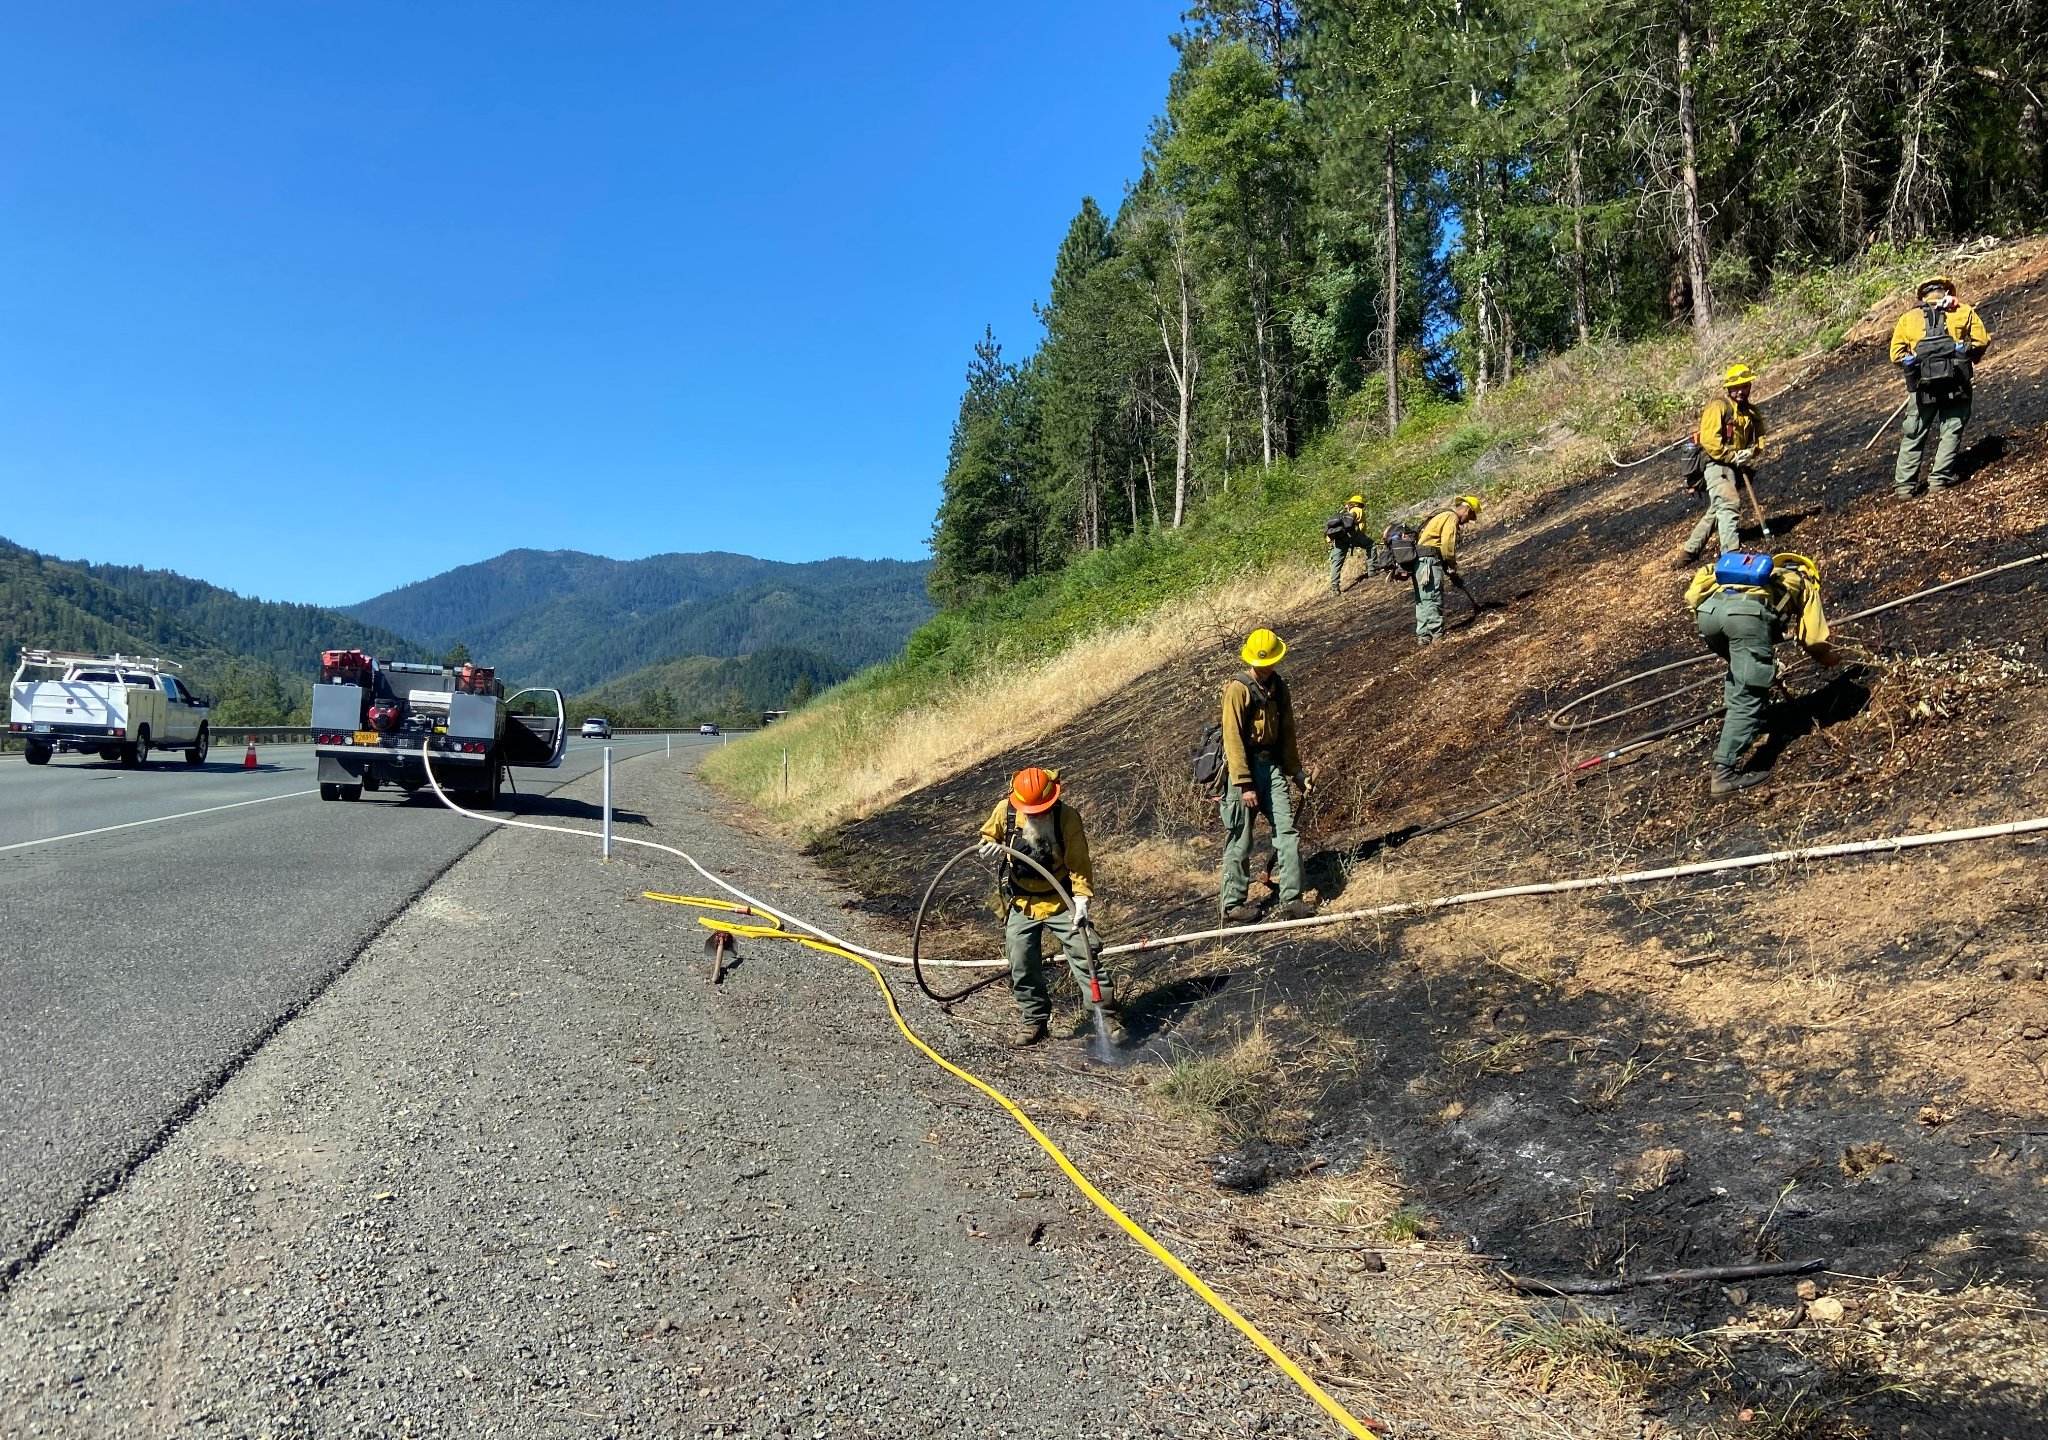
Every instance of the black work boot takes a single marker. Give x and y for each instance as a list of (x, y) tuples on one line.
[(1029, 1032), (1727, 780)]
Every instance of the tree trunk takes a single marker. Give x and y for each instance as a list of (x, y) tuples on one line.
[(1185, 374), (1577, 195), (1393, 322), (1482, 290), (1693, 242)]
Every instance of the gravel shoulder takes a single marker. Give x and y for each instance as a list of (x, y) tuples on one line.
[(521, 1171)]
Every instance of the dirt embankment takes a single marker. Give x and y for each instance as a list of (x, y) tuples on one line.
[(1845, 1061)]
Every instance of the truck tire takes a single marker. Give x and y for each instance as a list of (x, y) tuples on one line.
[(329, 792), (494, 788), (36, 754), (351, 792), (197, 754), (371, 782), (135, 756)]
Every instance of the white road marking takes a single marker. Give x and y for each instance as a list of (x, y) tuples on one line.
[(131, 824)]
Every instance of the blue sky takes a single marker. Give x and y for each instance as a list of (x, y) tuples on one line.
[(313, 299)]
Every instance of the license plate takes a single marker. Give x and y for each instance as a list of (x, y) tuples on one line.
[(42, 729), (367, 737)]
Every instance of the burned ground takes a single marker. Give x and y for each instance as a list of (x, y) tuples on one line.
[(1844, 1060)]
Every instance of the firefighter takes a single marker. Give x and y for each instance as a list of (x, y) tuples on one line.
[(1732, 435), (1742, 616), (1436, 560), (1034, 820), (1344, 530), (1937, 377), (1260, 755)]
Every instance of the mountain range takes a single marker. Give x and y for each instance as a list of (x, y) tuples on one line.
[(576, 621), (671, 634)]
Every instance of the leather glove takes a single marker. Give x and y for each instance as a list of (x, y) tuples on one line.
[(1743, 459), (989, 849), (1304, 782), (1081, 909)]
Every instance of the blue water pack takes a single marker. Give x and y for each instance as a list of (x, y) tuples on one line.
[(1739, 567)]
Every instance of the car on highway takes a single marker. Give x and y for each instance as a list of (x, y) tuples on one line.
[(707, 729), (597, 728), (119, 707)]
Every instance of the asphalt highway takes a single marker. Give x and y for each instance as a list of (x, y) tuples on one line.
[(155, 928)]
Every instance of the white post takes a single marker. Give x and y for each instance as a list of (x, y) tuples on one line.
[(785, 775), (607, 802), (667, 746)]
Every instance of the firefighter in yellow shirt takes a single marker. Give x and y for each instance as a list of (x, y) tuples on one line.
[(1344, 531), (1436, 561), (1935, 345), (1260, 754), (1742, 616), (1033, 819), (1732, 434)]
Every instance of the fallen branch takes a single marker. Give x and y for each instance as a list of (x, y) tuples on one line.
[(1669, 1277)]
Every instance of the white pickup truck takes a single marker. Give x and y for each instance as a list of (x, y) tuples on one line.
[(119, 707)]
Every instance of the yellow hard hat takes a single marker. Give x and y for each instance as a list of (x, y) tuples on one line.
[(1942, 280), (1792, 561), (1263, 647), (1737, 374), (1355, 500), (1470, 502)]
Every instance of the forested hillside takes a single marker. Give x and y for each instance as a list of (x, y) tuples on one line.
[(572, 620), (256, 667), (278, 633), (1349, 205), (732, 691)]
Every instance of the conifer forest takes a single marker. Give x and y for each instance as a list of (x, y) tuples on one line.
[(1349, 208)]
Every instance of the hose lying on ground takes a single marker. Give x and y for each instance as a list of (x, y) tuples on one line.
[(818, 939)]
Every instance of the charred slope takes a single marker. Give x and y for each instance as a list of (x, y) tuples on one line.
[(1844, 1060)]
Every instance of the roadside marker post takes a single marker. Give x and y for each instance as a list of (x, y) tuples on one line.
[(607, 802)]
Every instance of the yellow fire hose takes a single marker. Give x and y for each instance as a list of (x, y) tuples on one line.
[(1351, 1424)]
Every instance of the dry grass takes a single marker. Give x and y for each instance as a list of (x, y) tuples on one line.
[(848, 761)]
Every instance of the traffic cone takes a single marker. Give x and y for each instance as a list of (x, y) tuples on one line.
[(249, 759)]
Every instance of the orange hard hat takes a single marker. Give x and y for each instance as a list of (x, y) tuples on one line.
[(1034, 791)]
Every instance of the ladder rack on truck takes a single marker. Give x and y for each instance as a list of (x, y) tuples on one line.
[(371, 719)]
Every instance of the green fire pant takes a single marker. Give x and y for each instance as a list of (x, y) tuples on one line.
[(1338, 555), (1724, 505), (1944, 421), (1429, 598), (1278, 807), (1021, 947), (1742, 630)]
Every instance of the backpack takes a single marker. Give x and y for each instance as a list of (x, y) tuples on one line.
[(1206, 759), (1006, 873), (1340, 528), (1740, 567), (1941, 363), (1694, 472), (1398, 552)]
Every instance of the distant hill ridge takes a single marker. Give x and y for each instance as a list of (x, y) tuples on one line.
[(565, 618)]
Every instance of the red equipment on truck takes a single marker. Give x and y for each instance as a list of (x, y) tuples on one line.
[(373, 718)]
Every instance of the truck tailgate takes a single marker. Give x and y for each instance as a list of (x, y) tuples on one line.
[(63, 702)]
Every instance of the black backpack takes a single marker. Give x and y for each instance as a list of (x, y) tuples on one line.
[(1398, 553), (1694, 472), (1941, 363), (1206, 759), (1340, 528)]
